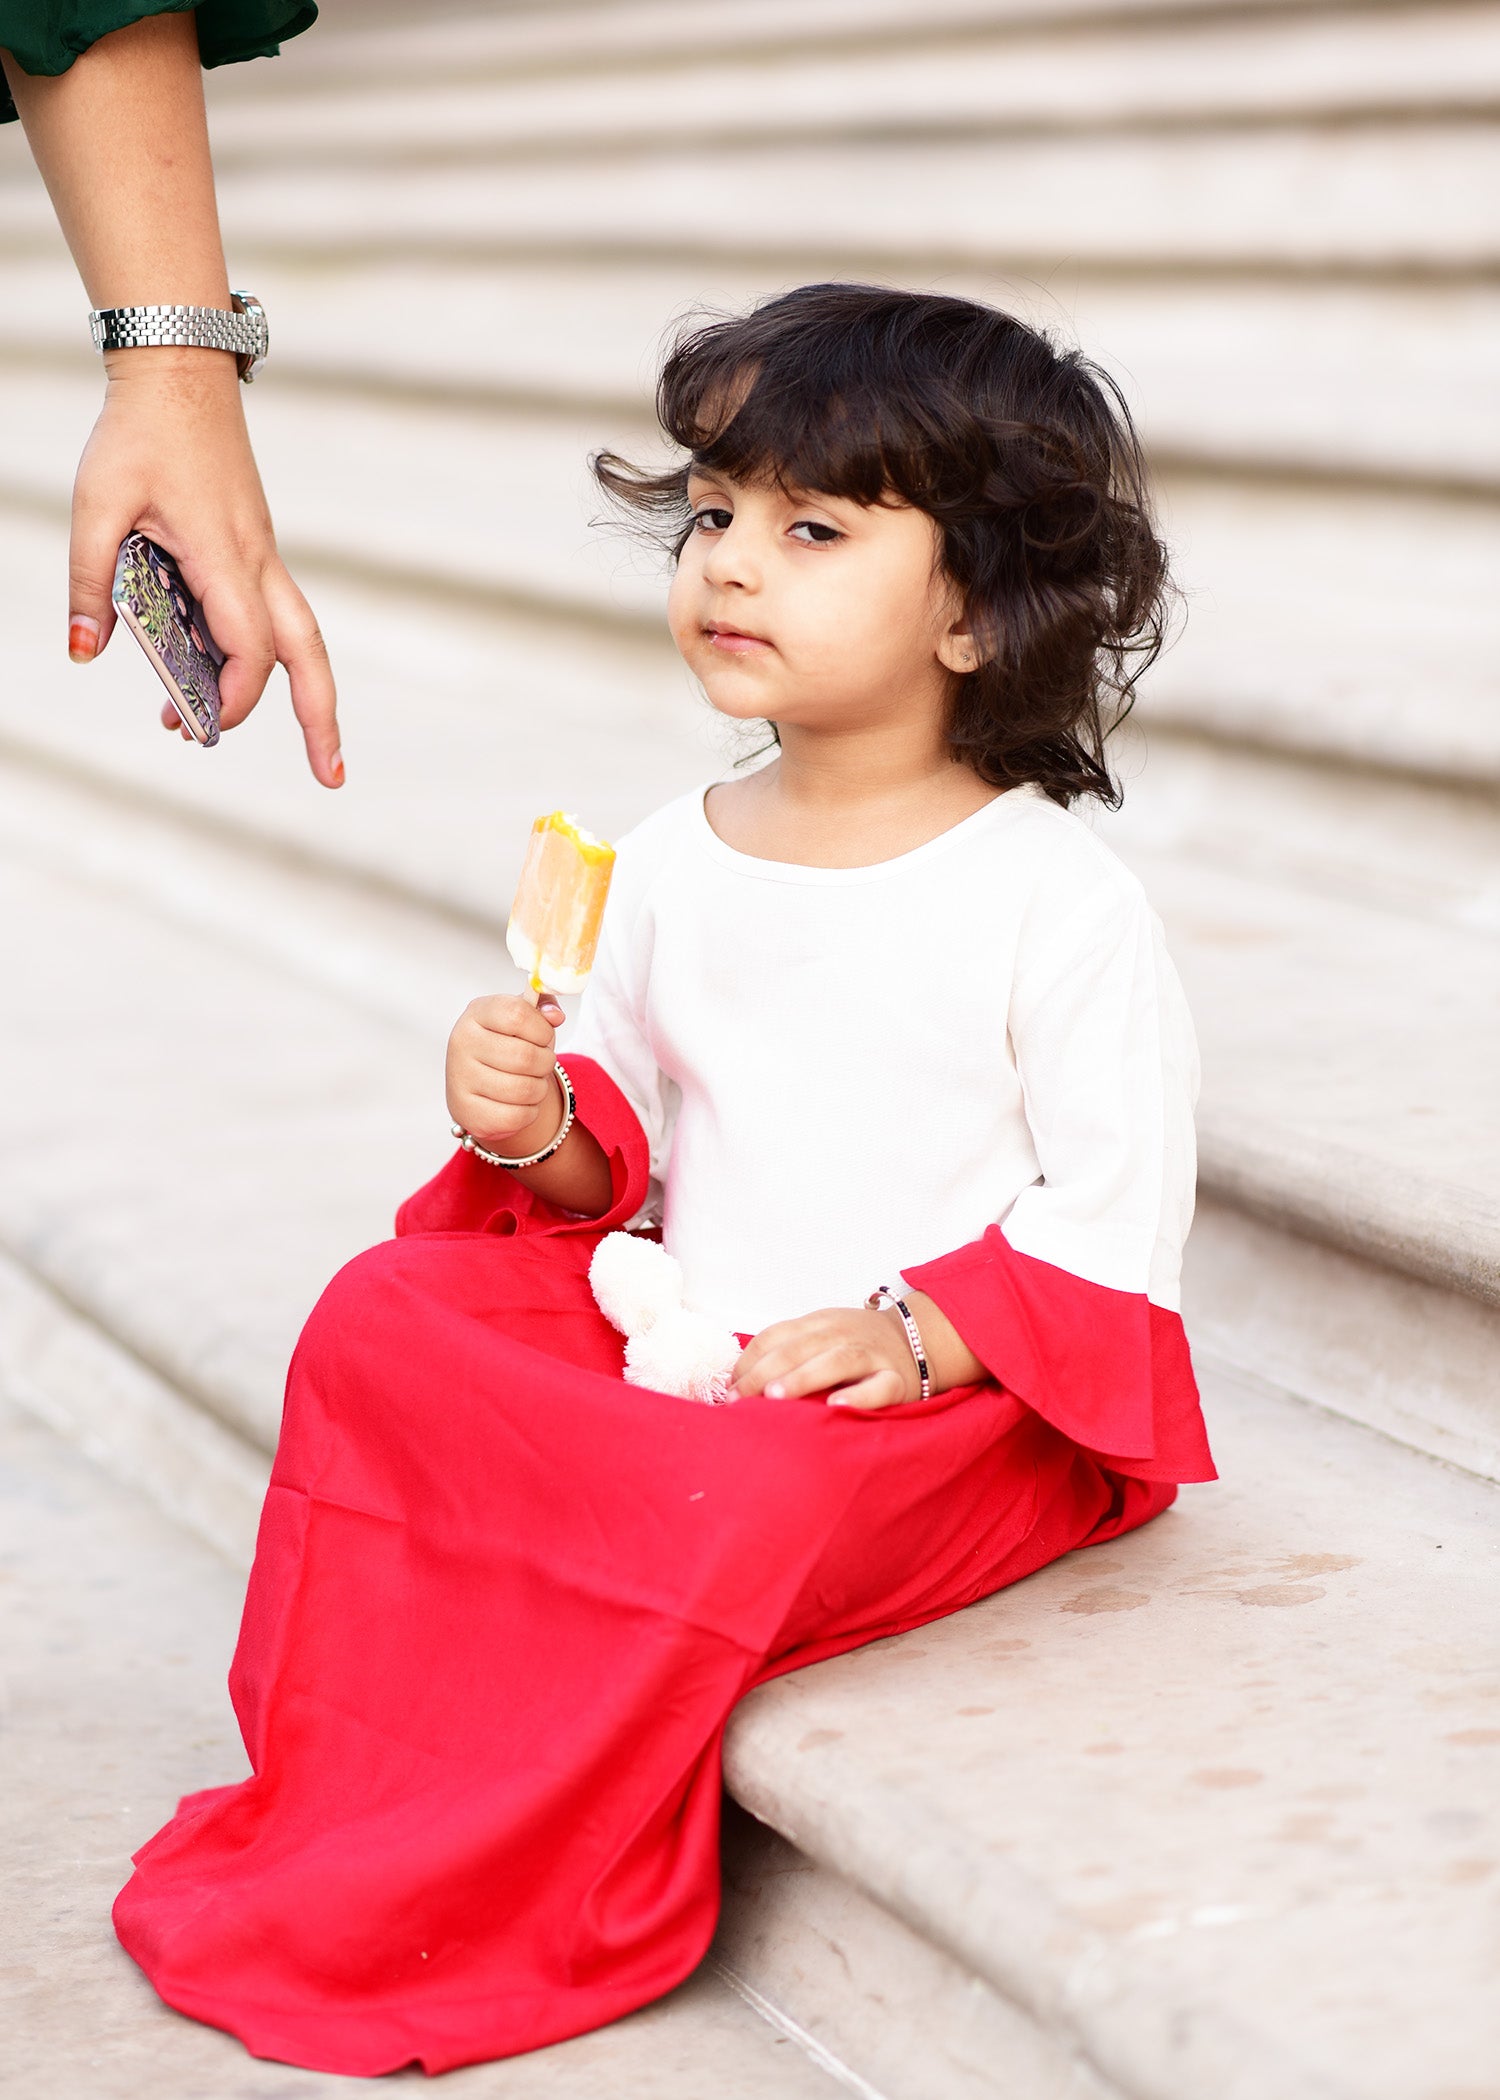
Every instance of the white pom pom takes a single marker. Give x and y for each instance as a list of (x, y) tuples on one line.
[(634, 1281), (683, 1353)]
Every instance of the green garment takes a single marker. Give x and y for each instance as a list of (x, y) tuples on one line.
[(45, 36)]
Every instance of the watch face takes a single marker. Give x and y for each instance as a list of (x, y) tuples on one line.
[(249, 305), (167, 620)]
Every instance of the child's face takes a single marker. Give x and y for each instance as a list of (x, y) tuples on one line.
[(814, 611)]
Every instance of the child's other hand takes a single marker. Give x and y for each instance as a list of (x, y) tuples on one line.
[(500, 1083), (864, 1356)]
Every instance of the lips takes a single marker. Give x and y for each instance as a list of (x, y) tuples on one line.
[(734, 641)]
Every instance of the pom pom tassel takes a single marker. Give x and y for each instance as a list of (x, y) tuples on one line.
[(638, 1288)]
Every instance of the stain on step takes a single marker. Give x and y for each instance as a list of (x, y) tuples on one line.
[(1105, 1599), (1282, 1593)]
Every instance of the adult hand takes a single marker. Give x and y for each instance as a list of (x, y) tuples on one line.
[(121, 140), (170, 456)]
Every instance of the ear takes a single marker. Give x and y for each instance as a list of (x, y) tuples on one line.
[(957, 649)]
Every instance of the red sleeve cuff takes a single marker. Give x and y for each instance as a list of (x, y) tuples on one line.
[(468, 1195), (1108, 1368)]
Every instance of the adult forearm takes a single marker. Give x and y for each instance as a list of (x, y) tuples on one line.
[(121, 140)]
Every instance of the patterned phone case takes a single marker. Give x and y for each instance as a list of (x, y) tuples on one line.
[(167, 620)]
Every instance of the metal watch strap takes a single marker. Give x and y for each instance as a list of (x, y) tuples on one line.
[(244, 332), (913, 1333)]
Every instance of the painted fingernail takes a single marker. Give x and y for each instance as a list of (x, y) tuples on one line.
[(336, 765), (83, 639)]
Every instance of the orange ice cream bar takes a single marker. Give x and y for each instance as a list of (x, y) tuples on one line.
[(555, 920)]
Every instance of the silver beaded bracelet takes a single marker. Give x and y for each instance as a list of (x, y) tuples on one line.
[(913, 1332), (498, 1159)]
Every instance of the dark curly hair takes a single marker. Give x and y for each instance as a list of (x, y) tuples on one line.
[(1024, 455)]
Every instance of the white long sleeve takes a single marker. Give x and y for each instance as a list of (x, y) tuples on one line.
[(843, 1072)]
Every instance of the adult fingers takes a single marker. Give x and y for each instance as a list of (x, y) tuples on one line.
[(93, 547), (299, 644), (240, 624)]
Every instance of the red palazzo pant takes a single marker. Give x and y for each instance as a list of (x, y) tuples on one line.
[(502, 1606)]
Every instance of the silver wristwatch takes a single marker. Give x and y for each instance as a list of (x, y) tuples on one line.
[(242, 332)]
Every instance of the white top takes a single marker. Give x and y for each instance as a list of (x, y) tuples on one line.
[(843, 1072)]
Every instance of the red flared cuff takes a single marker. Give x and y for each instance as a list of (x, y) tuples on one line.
[(468, 1195), (1108, 1368)]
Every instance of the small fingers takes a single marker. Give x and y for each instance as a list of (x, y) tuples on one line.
[(506, 1014), (883, 1388), (517, 1092)]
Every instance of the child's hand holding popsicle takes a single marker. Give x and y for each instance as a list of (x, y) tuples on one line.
[(502, 1085)]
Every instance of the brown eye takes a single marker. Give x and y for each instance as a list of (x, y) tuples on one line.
[(816, 535), (712, 518)]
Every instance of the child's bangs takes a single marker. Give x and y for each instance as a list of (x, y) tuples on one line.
[(761, 428)]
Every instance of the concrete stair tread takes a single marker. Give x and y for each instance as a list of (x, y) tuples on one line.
[(1258, 375), (518, 38), (1371, 199), (1218, 1799), (1294, 196), (118, 1632), (1381, 600), (1283, 67)]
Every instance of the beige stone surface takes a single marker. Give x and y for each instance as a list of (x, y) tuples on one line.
[(66, 1370), (1212, 71), (458, 729), (1319, 378), (902, 2014), (117, 1634), (1411, 1358), (1218, 1801), (524, 37)]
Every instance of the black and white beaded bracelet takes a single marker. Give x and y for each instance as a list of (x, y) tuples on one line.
[(498, 1159), (913, 1332)]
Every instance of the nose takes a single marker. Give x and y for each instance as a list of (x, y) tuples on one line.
[(730, 563)]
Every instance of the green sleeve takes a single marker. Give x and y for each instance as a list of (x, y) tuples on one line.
[(45, 36)]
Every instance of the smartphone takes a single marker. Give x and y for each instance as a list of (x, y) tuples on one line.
[(167, 620)]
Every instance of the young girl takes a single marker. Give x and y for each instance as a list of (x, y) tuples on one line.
[(881, 1016)]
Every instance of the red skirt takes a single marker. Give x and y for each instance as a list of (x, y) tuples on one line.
[(502, 1606)]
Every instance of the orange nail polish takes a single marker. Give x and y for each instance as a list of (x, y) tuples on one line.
[(83, 639)]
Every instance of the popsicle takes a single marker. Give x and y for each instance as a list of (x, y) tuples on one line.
[(555, 920)]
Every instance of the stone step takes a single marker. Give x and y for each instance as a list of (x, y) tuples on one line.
[(1211, 1809), (1347, 623), (118, 1629), (1374, 200), (516, 39), (1316, 382), (1116, 76)]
